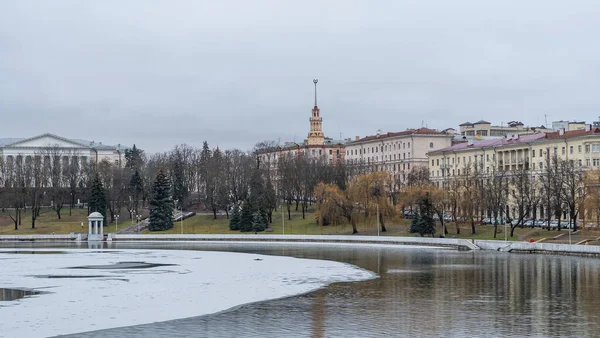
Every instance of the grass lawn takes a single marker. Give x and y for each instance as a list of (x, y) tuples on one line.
[(205, 224), (48, 222)]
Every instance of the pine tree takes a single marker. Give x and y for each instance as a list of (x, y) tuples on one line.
[(161, 204), (136, 187), (133, 158), (260, 221), (423, 222), (97, 200), (236, 218), (247, 218)]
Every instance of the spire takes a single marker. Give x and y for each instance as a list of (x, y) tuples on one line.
[(315, 82)]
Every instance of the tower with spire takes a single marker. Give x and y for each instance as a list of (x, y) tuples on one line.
[(315, 135)]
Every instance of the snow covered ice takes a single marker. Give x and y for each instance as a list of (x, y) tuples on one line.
[(87, 290)]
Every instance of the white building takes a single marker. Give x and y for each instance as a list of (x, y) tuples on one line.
[(398, 152), (46, 145)]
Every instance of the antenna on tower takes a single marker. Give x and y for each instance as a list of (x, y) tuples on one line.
[(315, 82)]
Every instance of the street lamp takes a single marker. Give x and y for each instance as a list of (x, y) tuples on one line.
[(181, 215), (116, 223), (377, 214)]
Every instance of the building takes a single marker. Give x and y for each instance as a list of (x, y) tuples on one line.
[(396, 152), (316, 145), (485, 128), (16, 150), (568, 125), (530, 151)]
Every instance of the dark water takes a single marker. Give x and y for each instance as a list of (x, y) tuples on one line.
[(420, 292), (14, 294)]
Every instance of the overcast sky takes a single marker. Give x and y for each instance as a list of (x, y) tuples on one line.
[(161, 73)]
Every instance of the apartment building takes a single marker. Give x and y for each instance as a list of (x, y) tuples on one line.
[(485, 128), (396, 152), (530, 151)]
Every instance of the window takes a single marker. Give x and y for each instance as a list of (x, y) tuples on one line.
[(430, 144), (453, 160), (437, 162), (587, 148), (408, 166), (409, 154), (570, 149), (596, 148), (403, 145), (330, 152), (487, 157), (580, 163), (533, 153), (320, 152), (458, 172), (579, 148), (432, 162), (409, 144), (562, 151), (533, 166), (555, 151), (394, 157)]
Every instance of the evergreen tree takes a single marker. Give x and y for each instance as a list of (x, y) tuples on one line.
[(180, 191), (247, 218), (423, 222), (97, 200), (161, 204), (260, 221), (236, 218), (136, 188), (133, 158)]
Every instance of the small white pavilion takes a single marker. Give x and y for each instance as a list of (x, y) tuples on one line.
[(95, 227)]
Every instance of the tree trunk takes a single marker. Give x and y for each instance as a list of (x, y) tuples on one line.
[(303, 211), (214, 210), (226, 213), (58, 213), (289, 210), (473, 227), (354, 231), (383, 229), (270, 217)]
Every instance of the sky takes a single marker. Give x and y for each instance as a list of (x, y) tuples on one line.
[(234, 73)]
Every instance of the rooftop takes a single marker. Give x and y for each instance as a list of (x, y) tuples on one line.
[(488, 143), (408, 132)]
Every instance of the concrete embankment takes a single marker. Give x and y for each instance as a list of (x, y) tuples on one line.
[(461, 244), (37, 238), (545, 248)]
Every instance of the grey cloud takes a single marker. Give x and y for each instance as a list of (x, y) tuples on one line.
[(161, 73)]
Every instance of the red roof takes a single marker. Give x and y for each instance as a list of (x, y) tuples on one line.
[(497, 142), (419, 131), (573, 133)]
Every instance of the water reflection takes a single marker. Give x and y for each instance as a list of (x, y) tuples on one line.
[(14, 294), (421, 292)]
